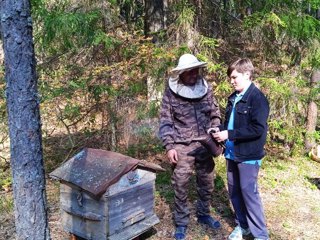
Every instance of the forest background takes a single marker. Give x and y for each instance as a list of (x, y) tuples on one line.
[(102, 66)]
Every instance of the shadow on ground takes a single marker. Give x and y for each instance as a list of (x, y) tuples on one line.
[(315, 181)]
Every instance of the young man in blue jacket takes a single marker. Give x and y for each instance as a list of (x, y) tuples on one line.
[(245, 131)]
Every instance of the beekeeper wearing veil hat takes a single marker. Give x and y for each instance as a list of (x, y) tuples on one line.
[(188, 111)]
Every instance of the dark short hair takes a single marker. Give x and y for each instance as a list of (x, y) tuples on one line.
[(242, 65)]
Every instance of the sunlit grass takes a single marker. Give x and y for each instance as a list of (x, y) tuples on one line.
[(6, 203)]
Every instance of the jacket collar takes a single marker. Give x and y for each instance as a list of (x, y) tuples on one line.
[(245, 96)]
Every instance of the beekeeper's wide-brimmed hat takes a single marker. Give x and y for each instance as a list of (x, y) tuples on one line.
[(187, 62)]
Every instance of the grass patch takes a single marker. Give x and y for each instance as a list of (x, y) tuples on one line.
[(6, 203), (219, 183), (290, 194), (5, 176), (220, 169), (163, 186), (286, 173), (163, 178), (5, 181)]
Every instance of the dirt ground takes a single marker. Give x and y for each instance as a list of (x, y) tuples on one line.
[(292, 207), (163, 230)]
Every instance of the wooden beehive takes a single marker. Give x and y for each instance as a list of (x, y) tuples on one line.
[(106, 195)]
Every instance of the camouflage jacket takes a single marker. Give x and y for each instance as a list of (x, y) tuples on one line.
[(184, 120)]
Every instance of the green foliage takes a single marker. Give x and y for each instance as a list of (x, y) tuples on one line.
[(5, 183), (129, 51), (285, 28), (113, 2), (149, 111), (63, 31), (186, 16), (313, 55), (287, 5), (209, 45), (67, 88), (135, 88), (302, 28), (146, 143), (287, 115), (110, 43), (270, 24), (314, 94), (71, 111), (221, 91), (219, 183), (120, 60), (5, 177), (183, 20), (208, 52), (163, 186), (316, 136), (163, 178), (59, 29)]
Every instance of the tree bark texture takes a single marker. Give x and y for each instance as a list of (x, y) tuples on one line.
[(315, 78), (24, 121), (311, 125), (155, 15), (312, 113)]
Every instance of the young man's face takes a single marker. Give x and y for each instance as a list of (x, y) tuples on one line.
[(239, 81), (190, 77)]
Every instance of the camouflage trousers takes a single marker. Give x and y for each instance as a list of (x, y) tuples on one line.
[(192, 157)]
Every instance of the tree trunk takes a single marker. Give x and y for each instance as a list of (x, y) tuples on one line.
[(312, 113), (155, 15), (24, 121), (311, 125)]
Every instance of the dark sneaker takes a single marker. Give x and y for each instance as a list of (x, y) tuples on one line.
[(209, 221), (180, 233)]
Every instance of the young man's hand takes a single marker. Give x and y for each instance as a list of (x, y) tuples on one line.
[(213, 130), (220, 136), (173, 156)]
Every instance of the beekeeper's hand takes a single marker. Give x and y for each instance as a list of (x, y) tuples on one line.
[(173, 156)]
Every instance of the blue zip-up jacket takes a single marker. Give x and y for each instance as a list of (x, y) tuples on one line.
[(250, 124)]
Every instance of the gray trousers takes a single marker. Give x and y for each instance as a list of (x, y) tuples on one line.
[(245, 197), (190, 157)]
